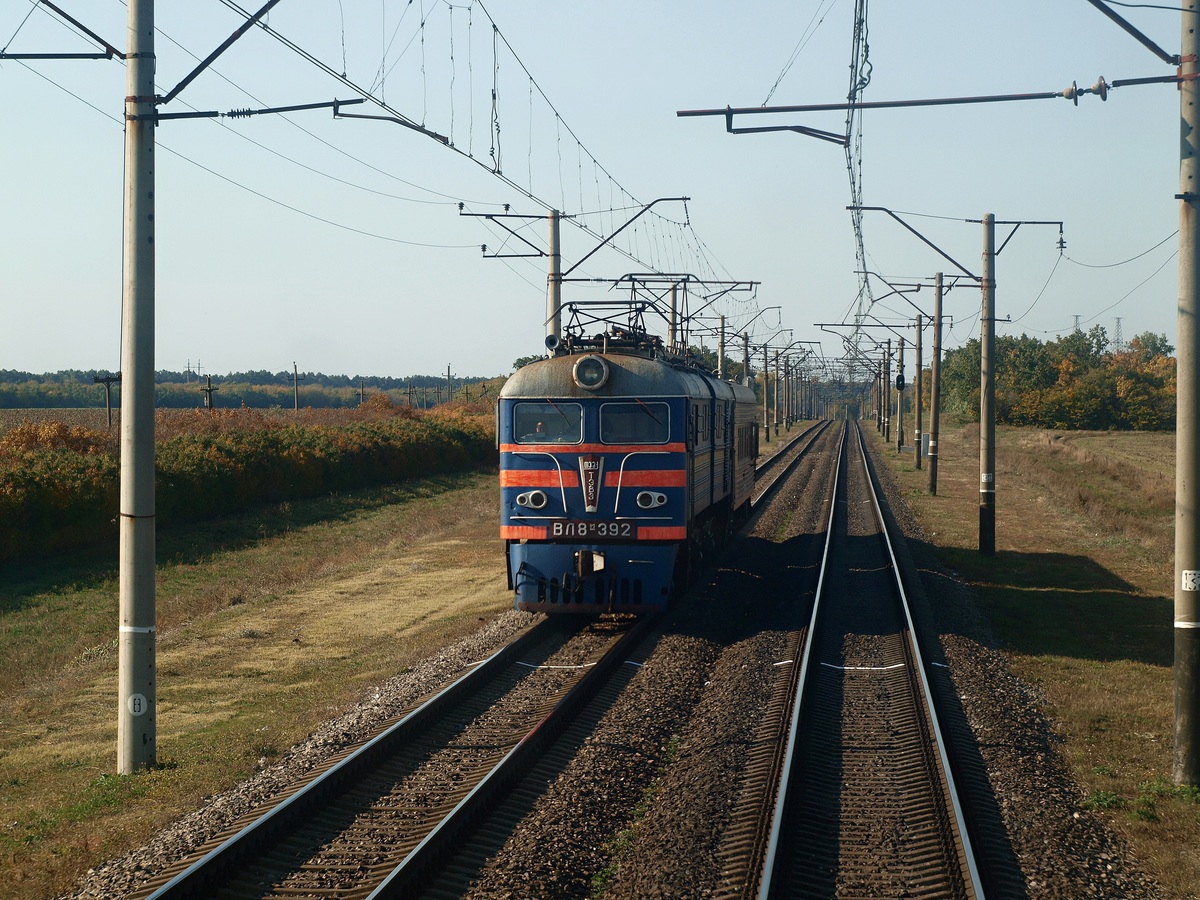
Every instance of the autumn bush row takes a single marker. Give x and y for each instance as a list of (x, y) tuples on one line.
[(59, 484)]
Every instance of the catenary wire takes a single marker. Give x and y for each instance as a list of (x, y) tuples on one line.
[(1126, 261), (244, 187)]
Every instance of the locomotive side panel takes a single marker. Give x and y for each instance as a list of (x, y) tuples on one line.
[(700, 456), (744, 443)]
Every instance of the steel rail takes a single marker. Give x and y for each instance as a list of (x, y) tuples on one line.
[(799, 681), (265, 827), (417, 865), (813, 432), (967, 856), (216, 866), (926, 691)]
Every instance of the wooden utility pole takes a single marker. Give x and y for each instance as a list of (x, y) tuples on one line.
[(207, 391), (107, 381)]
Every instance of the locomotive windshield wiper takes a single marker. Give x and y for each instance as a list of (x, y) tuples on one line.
[(559, 411), (649, 412)]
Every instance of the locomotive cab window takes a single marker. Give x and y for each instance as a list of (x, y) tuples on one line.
[(548, 423), (635, 423)]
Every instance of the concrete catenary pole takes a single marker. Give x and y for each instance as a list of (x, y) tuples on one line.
[(900, 399), (746, 360), (721, 350), (778, 384), (766, 373), (673, 323), (1186, 768), (137, 703), (789, 398), (879, 401), (935, 389), (918, 386), (879, 405), (885, 393), (554, 286), (987, 393)]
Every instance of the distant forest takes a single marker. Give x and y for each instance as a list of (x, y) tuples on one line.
[(76, 388), (1075, 382)]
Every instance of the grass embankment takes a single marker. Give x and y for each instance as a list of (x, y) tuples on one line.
[(1080, 592), (270, 622)]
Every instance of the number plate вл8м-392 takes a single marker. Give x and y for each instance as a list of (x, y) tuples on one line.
[(593, 531)]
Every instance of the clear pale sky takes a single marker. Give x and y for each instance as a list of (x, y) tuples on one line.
[(339, 245)]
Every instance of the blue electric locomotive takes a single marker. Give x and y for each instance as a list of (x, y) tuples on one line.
[(620, 467)]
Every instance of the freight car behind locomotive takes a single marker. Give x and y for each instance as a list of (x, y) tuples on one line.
[(621, 467)]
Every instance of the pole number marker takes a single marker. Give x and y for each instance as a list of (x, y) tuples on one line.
[(1190, 580), (137, 705)]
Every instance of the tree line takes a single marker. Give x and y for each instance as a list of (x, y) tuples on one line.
[(1075, 382), (261, 389)]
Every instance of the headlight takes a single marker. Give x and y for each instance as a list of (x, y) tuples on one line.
[(591, 372), (532, 499)]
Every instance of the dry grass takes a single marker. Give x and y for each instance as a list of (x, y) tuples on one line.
[(171, 422), (87, 418), (277, 620), (1080, 591)]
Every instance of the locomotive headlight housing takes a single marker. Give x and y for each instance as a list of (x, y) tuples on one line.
[(591, 372), (532, 499), (651, 499)]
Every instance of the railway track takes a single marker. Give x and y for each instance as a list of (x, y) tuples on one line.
[(423, 809), (372, 823), (774, 469), (865, 803), (378, 820)]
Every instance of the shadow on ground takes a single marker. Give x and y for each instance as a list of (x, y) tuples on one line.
[(1057, 604)]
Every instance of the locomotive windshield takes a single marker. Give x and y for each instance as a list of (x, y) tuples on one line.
[(635, 423), (548, 422)]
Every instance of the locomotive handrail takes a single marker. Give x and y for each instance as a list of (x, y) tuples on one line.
[(621, 473), (558, 465)]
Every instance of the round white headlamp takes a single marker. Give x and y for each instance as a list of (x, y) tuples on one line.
[(591, 372)]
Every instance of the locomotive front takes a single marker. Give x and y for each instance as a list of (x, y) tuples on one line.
[(594, 481)]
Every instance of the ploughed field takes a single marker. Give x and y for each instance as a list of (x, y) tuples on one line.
[(414, 586)]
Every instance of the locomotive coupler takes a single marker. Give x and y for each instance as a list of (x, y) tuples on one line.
[(588, 562)]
